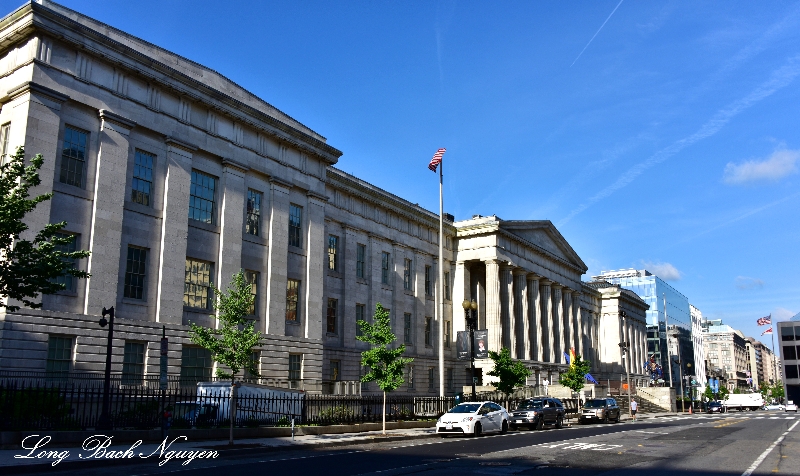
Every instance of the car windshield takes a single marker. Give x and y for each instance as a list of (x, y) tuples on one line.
[(595, 404), (530, 404), (465, 408), (715, 404)]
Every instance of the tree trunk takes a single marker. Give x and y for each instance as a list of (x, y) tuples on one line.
[(384, 412), (232, 410)]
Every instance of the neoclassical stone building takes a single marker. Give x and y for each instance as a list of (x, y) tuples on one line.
[(175, 178)]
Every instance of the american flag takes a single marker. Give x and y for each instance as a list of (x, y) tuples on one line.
[(437, 159), (764, 321), (768, 331)]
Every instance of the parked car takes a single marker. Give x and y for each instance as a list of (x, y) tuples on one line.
[(715, 407), (537, 412), (773, 407), (475, 418), (600, 409), (791, 406)]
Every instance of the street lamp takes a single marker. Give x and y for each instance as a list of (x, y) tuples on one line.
[(105, 418), (471, 319)]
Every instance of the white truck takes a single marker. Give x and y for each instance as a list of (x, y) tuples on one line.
[(743, 401), (255, 404)]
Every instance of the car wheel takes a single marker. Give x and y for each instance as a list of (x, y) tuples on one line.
[(539, 424), (505, 427), (478, 430), (619, 415), (560, 422), (605, 418)]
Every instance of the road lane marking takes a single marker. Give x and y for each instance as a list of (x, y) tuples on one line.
[(766, 452), (728, 424)]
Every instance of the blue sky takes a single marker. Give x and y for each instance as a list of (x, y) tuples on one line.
[(667, 139)]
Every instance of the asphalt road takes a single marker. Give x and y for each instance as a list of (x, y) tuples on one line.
[(730, 444)]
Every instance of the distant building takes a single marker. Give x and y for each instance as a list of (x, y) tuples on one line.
[(697, 346), (761, 362), (674, 319), (789, 335), (727, 353)]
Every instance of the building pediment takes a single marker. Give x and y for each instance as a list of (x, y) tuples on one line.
[(543, 234)]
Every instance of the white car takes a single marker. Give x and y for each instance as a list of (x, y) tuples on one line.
[(791, 406), (473, 418), (774, 406)]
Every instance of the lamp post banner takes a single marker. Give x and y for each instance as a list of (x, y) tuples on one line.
[(462, 345), (481, 339)]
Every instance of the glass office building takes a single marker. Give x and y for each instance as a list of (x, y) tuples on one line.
[(675, 317)]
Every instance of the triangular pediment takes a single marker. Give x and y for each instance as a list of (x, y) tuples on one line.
[(544, 234)]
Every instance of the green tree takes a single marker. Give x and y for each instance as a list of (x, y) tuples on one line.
[(575, 376), (511, 374), (29, 268), (722, 395), (384, 363), (778, 392), (231, 343)]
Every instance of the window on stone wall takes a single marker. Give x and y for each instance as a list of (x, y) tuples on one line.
[(197, 290), (253, 225), (410, 376), (142, 183), (133, 363), (135, 273), (252, 279), (428, 287), (59, 355), (295, 367), (333, 252), (295, 225), (447, 285), (428, 334), (196, 365), (385, 268), (292, 301), (255, 358), (407, 274), (335, 370), (67, 280), (407, 328), (5, 130), (431, 378), (361, 315), (333, 305), (447, 334), (448, 375), (73, 157), (202, 196), (361, 252)]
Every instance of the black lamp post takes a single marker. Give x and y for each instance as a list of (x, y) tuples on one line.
[(105, 418), (471, 319)]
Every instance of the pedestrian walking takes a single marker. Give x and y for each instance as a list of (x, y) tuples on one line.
[(634, 407)]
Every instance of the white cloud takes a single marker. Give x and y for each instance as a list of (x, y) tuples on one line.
[(781, 163), (665, 271), (782, 314), (746, 283)]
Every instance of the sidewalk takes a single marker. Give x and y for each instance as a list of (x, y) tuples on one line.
[(121, 454)]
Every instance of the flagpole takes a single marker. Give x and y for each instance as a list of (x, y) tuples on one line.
[(440, 303)]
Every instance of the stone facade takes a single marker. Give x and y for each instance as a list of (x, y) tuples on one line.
[(134, 136)]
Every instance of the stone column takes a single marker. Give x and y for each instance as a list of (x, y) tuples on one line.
[(493, 319), (558, 320), (277, 256), (107, 206), (569, 332), (546, 297), (461, 292), (578, 320), (315, 302), (174, 232), (523, 349), (507, 308), (231, 221), (534, 316)]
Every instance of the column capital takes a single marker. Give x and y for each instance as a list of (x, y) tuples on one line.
[(555, 285), (545, 282), (493, 261), (520, 272)]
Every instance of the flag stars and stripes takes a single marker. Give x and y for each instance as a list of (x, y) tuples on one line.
[(437, 159)]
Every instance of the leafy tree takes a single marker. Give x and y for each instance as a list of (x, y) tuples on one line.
[(231, 344), (575, 376), (737, 390), (511, 374), (385, 364), (29, 268), (778, 392), (722, 395)]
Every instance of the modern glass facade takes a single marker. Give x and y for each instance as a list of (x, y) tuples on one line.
[(676, 317)]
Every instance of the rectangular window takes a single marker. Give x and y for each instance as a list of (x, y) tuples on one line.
[(295, 366), (448, 382), (385, 268), (253, 224), (428, 289), (332, 306), (791, 371), (197, 290), (447, 285), (135, 273), (360, 316), (59, 354), (252, 279), (73, 157), (202, 198), (333, 252), (255, 358), (133, 363), (428, 336), (410, 376), (196, 365), (295, 225), (407, 328), (292, 301), (361, 252), (67, 280), (407, 274), (789, 352), (431, 378), (5, 129), (335, 371), (447, 334), (142, 184)]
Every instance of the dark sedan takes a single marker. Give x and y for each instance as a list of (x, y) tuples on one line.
[(715, 407)]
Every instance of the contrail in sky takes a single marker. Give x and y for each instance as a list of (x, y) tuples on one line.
[(598, 31)]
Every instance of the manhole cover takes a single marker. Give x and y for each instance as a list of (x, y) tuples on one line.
[(494, 463)]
